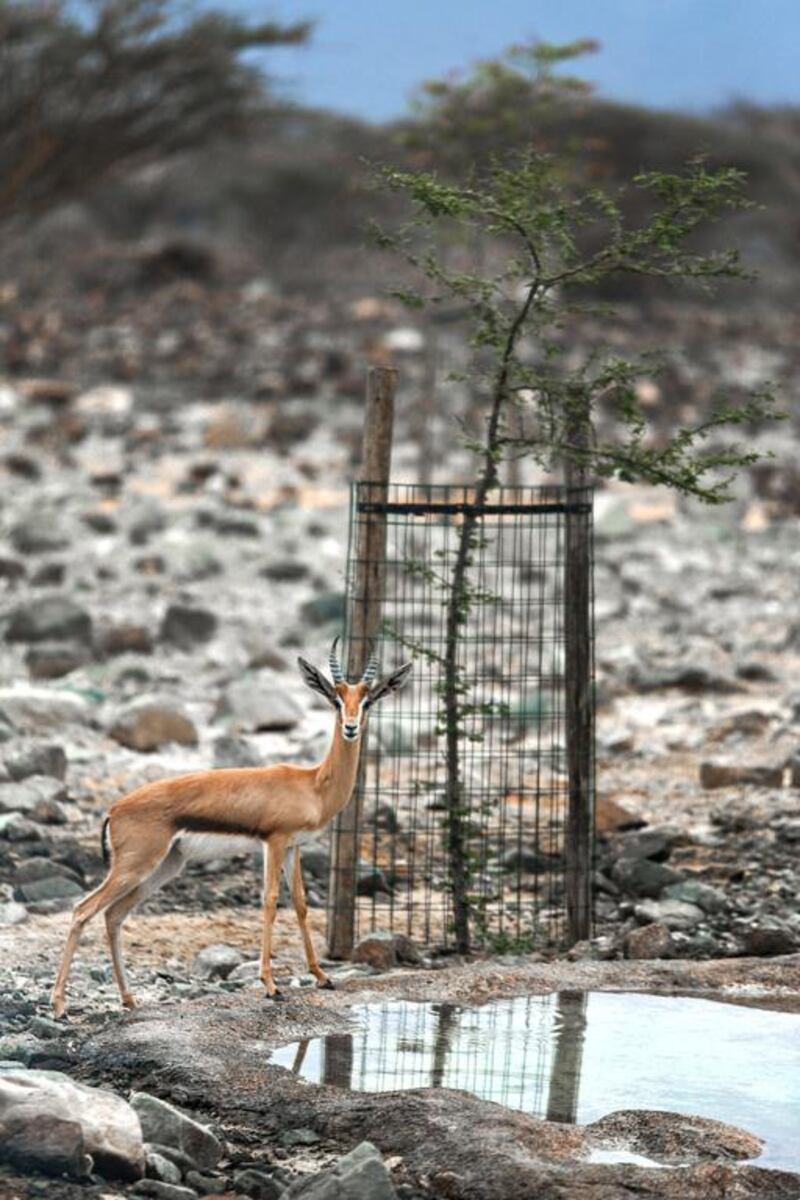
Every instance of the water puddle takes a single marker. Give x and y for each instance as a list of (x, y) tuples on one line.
[(576, 1056)]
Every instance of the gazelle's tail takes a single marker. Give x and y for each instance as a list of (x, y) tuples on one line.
[(105, 842)]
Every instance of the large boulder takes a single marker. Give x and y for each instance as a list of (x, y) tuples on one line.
[(51, 1123), (168, 1126), (149, 723)]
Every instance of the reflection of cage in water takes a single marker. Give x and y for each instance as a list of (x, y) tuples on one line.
[(524, 1053), (515, 755)]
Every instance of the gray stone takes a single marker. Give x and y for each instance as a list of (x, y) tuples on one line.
[(675, 914), (158, 1190), (689, 678), (643, 843), (258, 1184), (709, 898), (330, 606), (675, 1138), (48, 1119), (643, 877), (206, 1185), (383, 950), (38, 532), (24, 797), (16, 828), (148, 723), (45, 1027), (49, 812), (299, 1137), (159, 1167), (37, 758), (13, 913), (259, 702), (43, 868), (39, 709), (56, 887), (217, 962), (20, 1048), (359, 1175), (163, 1123), (235, 752), (49, 618), (316, 860), (187, 627), (648, 942)]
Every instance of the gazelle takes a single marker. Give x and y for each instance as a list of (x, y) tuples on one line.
[(150, 834)]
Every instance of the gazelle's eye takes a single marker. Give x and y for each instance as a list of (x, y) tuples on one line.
[(365, 703)]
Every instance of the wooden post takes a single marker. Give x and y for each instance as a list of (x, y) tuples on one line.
[(366, 611), (565, 1070), (578, 698)]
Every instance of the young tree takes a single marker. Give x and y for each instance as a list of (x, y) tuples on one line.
[(554, 243), (126, 83)]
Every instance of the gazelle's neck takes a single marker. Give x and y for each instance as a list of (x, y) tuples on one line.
[(336, 774)]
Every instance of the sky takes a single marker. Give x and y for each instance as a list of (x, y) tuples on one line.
[(367, 56)]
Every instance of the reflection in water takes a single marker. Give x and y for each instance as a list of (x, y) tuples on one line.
[(575, 1056)]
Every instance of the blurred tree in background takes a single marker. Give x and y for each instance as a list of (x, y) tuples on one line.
[(122, 84)]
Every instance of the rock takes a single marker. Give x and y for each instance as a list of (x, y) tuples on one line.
[(359, 1175), (45, 1027), (38, 532), (187, 627), (55, 887), (643, 843), (687, 677), (714, 774), (643, 877), (330, 606), (126, 637), (11, 568), (55, 1124), (50, 618), (38, 710), (162, 1191), (383, 950), (43, 868), (53, 660), (217, 962), (675, 914), (38, 758), (206, 1185), (649, 941), (765, 940), (16, 828), (259, 702), (148, 723), (300, 1137), (258, 1184), (709, 898), (20, 1048), (316, 860), (529, 861), (284, 570), (12, 913), (159, 1167), (675, 1138), (48, 811), (235, 752), (163, 1123), (372, 883), (107, 407), (28, 795)]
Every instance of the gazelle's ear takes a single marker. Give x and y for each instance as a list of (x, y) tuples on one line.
[(392, 683), (316, 681)]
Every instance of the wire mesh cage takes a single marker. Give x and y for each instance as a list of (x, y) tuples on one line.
[(515, 764)]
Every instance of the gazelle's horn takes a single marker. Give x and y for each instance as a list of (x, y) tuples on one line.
[(335, 665), (371, 669)]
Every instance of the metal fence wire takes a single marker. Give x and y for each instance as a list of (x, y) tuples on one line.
[(514, 755)]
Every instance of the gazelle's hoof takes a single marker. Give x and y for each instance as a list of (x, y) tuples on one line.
[(326, 984), (276, 995), (128, 1000), (59, 1006)]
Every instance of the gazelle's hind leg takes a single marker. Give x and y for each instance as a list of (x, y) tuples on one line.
[(127, 870), (274, 853), (301, 910), (117, 913)]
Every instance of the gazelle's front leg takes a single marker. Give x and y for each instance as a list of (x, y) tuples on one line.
[(274, 854), (301, 909)]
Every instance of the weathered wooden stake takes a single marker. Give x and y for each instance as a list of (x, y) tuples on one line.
[(578, 696), (366, 611)]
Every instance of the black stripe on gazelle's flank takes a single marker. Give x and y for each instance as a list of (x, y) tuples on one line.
[(192, 823)]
